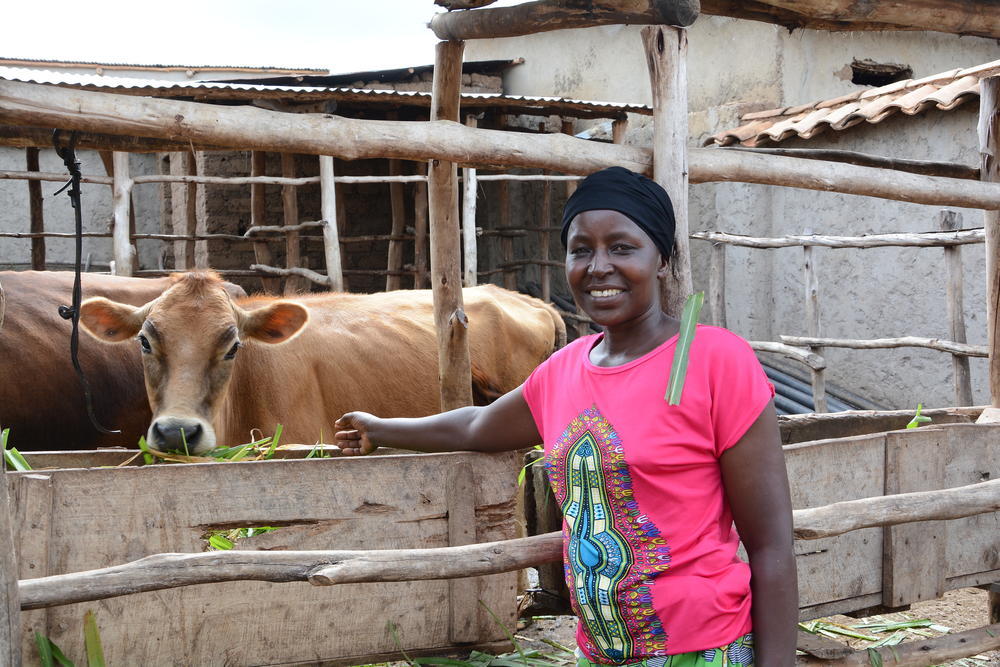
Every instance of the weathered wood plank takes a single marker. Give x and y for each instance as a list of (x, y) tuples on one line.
[(10, 607), (401, 505), (913, 565), (545, 15), (666, 60), (463, 594), (989, 151)]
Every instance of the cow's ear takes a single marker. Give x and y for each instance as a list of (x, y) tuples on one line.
[(110, 321), (274, 323)]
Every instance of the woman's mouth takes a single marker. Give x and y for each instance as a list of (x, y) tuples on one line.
[(605, 293)]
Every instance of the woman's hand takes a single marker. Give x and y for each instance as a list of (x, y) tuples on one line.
[(352, 438)]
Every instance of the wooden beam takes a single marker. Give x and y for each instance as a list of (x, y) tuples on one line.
[(420, 245), (10, 606), (545, 15), (290, 211), (904, 240), (818, 377), (950, 221), (945, 169), (884, 343), (238, 127), (121, 206), (989, 150), (463, 4), (258, 218), (959, 17), (36, 212), (451, 322), (470, 193), (666, 58), (331, 241), (395, 254), (919, 653)]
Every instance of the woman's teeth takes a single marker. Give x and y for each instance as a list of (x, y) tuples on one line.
[(605, 292)]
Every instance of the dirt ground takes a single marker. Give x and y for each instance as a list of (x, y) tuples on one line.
[(959, 610)]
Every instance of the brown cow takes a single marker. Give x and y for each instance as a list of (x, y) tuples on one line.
[(41, 399), (215, 369)]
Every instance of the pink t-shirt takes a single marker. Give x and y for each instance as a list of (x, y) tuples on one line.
[(649, 544)]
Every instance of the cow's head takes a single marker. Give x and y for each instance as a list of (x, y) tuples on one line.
[(190, 337)]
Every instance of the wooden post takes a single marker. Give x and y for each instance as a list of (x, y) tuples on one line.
[(813, 324), (717, 284), (395, 261), (121, 239), (331, 237), (544, 236), (35, 208), (10, 607), (290, 207), (666, 57), (566, 127), (506, 242), (454, 366), (258, 218), (989, 149), (470, 190), (420, 273), (950, 221), (180, 212), (463, 594)]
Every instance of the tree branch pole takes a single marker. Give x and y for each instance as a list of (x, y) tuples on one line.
[(331, 242), (949, 221), (920, 240), (470, 191), (454, 365), (666, 58), (346, 138), (919, 653), (884, 343), (36, 211), (395, 254), (989, 150), (544, 15), (258, 218), (122, 204)]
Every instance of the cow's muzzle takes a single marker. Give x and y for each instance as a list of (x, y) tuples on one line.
[(181, 434)]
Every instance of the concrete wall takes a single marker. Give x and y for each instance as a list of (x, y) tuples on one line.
[(59, 215), (739, 66)]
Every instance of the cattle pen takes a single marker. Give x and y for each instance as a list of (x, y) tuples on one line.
[(862, 502)]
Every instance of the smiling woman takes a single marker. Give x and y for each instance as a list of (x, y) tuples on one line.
[(649, 490)]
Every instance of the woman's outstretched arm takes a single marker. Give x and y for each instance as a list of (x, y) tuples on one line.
[(503, 425), (756, 483)]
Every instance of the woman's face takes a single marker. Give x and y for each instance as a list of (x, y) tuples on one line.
[(612, 267)]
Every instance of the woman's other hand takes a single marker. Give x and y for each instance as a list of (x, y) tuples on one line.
[(352, 436)]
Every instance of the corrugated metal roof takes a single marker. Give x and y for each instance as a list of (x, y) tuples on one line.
[(37, 62), (944, 91), (204, 90)]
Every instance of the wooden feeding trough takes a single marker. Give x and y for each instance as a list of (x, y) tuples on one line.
[(70, 520)]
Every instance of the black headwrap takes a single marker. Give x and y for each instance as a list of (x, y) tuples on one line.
[(640, 199)]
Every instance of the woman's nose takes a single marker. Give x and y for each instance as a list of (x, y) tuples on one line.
[(599, 264)]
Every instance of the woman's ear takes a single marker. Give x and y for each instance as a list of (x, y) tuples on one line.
[(664, 266)]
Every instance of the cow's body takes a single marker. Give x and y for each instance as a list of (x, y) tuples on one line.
[(41, 399), (372, 352)]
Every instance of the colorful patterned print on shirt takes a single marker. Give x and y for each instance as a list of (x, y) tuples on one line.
[(613, 551)]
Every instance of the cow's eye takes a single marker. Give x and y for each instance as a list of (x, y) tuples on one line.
[(232, 351), (144, 344)]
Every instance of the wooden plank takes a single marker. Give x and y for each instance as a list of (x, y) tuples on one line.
[(545, 15), (395, 262), (402, 504), (470, 192), (331, 241), (914, 567), (846, 567), (817, 375), (973, 456), (258, 218), (451, 323), (666, 58), (31, 507), (10, 608), (421, 277), (290, 211), (950, 221), (35, 211), (121, 207), (989, 150), (463, 594)]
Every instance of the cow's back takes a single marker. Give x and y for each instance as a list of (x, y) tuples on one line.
[(378, 353), (41, 399)]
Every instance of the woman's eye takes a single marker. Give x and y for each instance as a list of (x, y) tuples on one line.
[(576, 252), (232, 351), (144, 344)]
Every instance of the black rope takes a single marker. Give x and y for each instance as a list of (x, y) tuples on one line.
[(68, 155)]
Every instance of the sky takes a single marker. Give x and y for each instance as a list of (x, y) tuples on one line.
[(339, 35)]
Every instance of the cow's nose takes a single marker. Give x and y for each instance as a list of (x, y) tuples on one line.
[(174, 434)]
